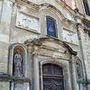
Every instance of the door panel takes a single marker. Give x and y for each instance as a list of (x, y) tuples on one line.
[(52, 77)]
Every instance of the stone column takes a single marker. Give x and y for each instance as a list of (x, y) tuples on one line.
[(75, 84), (35, 70)]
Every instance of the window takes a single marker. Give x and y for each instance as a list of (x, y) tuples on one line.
[(51, 26), (87, 10), (53, 77)]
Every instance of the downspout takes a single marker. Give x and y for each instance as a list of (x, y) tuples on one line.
[(82, 55)]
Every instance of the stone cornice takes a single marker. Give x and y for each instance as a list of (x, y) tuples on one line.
[(83, 81), (7, 77)]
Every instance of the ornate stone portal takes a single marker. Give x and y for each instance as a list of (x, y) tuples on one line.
[(53, 53)]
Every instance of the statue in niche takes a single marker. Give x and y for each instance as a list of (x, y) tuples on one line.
[(18, 64), (79, 68)]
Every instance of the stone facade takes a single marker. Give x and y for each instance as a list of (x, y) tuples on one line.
[(23, 28)]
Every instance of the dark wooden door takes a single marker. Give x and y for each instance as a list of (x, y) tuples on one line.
[(52, 77)]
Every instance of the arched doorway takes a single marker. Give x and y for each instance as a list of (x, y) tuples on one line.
[(52, 77)]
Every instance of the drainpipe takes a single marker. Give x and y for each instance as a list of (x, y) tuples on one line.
[(82, 55)]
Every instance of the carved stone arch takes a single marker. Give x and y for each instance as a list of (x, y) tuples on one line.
[(47, 5), (54, 14), (59, 12), (52, 11), (13, 50)]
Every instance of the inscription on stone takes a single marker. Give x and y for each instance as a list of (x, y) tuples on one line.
[(27, 22), (70, 37)]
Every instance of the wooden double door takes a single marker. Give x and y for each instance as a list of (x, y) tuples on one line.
[(53, 77)]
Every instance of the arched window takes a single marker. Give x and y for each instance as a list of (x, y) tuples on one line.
[(51, 26), (18, 61), (79, 68), (53, 77)]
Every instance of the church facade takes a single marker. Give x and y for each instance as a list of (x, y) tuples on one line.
[(44, 45)]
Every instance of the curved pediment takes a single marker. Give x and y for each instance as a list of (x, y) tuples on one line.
[(64, 13), (52, 43)]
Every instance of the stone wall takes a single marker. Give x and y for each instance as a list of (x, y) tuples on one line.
[(13, 31)]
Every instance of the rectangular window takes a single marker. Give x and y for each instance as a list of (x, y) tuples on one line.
[(51, 26), (87, 9)]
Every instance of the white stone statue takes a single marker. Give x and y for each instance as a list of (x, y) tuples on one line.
[(18, 64)]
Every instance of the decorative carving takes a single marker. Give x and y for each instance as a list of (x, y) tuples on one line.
[(27, 22)]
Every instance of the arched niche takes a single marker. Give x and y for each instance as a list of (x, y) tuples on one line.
[(17, 60), (79, 69)]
